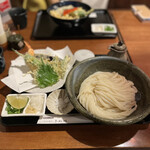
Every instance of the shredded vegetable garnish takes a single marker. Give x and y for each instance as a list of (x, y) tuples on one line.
[(11, 110)]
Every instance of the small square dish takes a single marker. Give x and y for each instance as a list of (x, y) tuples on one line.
[(32, 104), (103, 28)]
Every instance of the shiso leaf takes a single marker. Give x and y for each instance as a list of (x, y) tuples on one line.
[(46, 76)]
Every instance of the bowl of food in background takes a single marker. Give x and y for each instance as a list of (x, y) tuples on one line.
[(69, 13), (109, 90)]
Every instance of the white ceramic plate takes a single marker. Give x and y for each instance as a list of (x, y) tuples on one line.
[(103, 28), (32, 97), (60, 53)]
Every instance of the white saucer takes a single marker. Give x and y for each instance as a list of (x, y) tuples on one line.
[(83, 54)]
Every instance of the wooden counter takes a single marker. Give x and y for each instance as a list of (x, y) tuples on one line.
[(136, 35)]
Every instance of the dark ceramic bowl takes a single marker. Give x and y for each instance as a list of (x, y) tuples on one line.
[(65, 22), (106, 63)]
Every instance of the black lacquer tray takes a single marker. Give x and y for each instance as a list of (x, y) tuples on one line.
[(46, 28), (21, 121), (33, 120)]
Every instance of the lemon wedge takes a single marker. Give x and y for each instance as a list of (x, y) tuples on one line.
[(18, 101)]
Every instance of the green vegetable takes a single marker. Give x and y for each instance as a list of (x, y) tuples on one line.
[(45, 75), (11, 110), (81, 14), (108, 28)]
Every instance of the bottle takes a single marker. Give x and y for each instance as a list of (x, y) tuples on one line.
[(3, 37)]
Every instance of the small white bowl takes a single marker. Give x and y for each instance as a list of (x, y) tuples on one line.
[(83, 54)]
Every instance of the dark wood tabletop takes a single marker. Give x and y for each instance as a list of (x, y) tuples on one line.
[(136, 35)]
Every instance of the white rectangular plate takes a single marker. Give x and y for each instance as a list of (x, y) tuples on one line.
[(103, 28), (39, 113)]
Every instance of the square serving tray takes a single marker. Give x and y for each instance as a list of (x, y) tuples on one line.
[(46, 28), (51, 119)]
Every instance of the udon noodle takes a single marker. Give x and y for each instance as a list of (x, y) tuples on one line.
[(108, 95)]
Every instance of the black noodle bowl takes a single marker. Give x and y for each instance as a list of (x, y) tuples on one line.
[(65, 22)]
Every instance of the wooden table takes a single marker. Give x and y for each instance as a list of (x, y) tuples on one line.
[(137, 38)]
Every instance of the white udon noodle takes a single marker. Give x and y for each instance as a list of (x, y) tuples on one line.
[(108, 95)]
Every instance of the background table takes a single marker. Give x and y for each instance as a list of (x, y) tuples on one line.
[(136, 35)]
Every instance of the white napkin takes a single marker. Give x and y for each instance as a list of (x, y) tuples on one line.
[(20, 80)]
